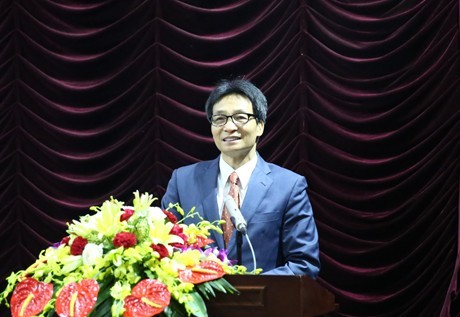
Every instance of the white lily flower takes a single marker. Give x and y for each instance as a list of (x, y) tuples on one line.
[(91, 253)]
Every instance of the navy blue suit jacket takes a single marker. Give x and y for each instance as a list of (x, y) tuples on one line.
[(276, 207)]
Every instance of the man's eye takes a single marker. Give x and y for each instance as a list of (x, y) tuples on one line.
[(240, 117), (219, 119)]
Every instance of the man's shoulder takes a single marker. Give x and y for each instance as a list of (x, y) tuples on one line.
[(198, 166), (282, 176), (279, 170)]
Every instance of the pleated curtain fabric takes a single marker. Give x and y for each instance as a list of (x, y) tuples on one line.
[(235, 194)]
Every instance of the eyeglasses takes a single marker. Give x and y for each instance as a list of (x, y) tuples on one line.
[(239, 119)]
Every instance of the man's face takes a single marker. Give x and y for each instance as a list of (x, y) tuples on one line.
[(236, 142)]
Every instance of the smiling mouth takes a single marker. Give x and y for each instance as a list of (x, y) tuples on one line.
[(230, 139)]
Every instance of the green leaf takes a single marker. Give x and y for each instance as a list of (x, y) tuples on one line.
[(221, 285), (206, 289), (51, 313), (175, 310), (104, 300), (197, 305)]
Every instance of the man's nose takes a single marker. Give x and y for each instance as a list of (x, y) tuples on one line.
[(230, 125)]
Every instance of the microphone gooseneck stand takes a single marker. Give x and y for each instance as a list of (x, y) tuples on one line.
[(240, 225), (239, 245)]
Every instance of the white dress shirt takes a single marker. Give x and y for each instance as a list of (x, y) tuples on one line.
[(223, 185)]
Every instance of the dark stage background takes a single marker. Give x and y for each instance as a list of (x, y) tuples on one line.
[(105, 97)]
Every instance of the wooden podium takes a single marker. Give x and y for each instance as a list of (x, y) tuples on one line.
[(272, 296)]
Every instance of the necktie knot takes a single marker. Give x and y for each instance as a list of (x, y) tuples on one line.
[(233, 178), (234, 190)]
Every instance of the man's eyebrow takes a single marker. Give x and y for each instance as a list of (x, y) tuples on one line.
[(223, 112)]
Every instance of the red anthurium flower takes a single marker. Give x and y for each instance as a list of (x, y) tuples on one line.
[(205, 271), (148, 298), (127, 213), (161, 249), (171, 217), (78, 245), (30, 297), (77, 299), (202, 241), (124, 239)]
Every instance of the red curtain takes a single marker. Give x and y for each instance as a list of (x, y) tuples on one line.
[(105, 97)]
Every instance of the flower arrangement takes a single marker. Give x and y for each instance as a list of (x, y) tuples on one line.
[(137, 261)]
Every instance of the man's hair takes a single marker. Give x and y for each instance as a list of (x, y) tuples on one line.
[(241, 87)]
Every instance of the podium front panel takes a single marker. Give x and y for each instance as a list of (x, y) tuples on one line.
[(272, 296)]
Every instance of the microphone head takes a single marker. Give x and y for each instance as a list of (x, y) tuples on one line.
[(235, 215)]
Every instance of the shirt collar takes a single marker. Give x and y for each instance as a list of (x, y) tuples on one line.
[(244, 172)]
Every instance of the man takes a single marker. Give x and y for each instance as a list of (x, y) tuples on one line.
[(273, 200)]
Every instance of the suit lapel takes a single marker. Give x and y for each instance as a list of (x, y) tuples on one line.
[(208, 180), (258, 186)]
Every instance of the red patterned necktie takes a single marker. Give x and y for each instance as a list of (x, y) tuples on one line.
[(235, 194)]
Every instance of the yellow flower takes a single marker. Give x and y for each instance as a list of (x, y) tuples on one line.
[(120, 290), (142, 202), (188, 258), (106, 222)]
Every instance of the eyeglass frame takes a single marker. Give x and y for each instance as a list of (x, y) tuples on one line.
[(250, 115)]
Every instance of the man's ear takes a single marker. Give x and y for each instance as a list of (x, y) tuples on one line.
[(260, 128)]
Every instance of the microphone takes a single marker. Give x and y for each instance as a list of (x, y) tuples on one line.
[(240, 224), (235, 215)]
